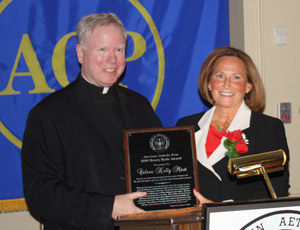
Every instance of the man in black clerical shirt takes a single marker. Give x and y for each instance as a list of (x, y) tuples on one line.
[(72, 154)]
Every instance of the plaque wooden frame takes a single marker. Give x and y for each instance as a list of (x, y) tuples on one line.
[(170, 132)]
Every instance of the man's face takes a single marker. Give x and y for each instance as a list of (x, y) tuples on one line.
[(102, 57)]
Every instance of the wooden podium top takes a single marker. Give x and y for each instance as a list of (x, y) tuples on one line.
[(164, 217)]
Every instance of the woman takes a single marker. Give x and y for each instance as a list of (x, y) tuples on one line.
[(230, 82)]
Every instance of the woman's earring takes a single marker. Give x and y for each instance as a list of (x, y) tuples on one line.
[(209, 89)]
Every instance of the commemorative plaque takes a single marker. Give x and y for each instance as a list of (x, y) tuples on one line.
[(163, 163)]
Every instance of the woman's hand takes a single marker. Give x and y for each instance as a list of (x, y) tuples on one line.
[(201, 198)]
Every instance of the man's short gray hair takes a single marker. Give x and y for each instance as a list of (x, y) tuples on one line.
[(89, 22)]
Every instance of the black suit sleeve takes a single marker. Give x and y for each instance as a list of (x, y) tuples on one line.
[(46, 192), (272, 137), (190, 120)]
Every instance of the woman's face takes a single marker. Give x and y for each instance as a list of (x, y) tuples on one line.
[(229, 82)]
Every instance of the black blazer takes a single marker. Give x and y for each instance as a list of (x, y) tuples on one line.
[(264, 134), (72, 155)]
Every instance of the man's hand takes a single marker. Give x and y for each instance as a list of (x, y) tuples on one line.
[(124, 204)]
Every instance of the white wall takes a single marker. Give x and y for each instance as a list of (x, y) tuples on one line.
[(18, 220), (278, 65)]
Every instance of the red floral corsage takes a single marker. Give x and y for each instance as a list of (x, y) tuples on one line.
[(236, 143)]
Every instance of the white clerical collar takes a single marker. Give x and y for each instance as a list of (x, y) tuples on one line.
[(105, 89)]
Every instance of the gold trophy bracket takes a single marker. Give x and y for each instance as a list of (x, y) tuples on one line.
[(254, 165)]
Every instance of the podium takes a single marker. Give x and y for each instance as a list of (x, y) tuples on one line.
[(177, 219), (279, 213)]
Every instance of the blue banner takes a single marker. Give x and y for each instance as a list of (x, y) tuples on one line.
[(167, 44)]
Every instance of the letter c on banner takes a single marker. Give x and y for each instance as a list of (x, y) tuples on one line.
[(58, 60)]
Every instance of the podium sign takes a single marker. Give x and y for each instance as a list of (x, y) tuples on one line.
[(273, 214), (163, 163)]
